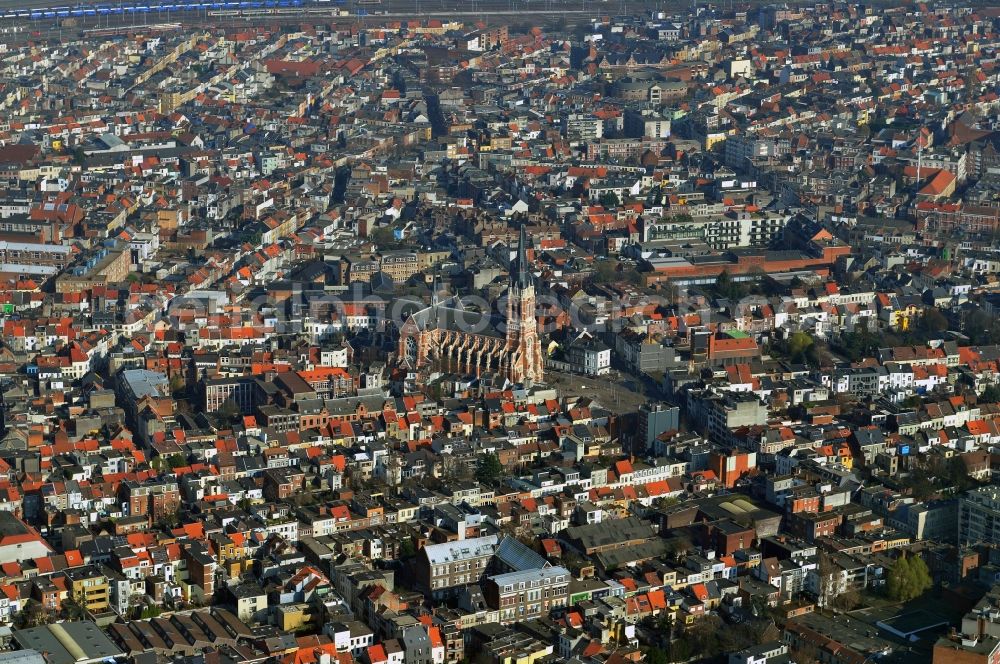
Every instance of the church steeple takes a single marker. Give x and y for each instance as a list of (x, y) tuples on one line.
[(524, 363), (522, 278)]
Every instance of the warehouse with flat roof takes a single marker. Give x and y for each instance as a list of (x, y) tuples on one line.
[(80, 642)]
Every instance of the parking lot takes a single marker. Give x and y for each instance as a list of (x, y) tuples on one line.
[(619, 393)]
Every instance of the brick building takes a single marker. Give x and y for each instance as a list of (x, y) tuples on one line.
[(442, 568)]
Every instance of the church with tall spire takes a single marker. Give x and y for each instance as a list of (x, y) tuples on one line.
[(523, 345), (448, 337)]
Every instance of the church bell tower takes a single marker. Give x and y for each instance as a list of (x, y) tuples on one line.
[(523, 348)]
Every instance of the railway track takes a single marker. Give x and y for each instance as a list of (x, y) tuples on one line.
[(38, 13), (38, 10), (360, 12), (250, 14)]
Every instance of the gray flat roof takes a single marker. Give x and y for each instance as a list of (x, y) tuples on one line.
[(145, 383), (10, 525), (34, 246), (69, 642), (22, 657), (19, 268)]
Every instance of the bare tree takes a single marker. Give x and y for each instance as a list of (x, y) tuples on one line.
[(828, 574)]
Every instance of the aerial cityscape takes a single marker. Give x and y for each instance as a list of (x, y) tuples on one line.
[(499, 332)]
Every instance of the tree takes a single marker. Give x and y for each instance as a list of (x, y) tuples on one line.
[(908, 578), (604, 272), (664, 503), (708, 638), (678, 546), (724, 283), (451, 468), (383, 236), (150, 612), (805, 652), (303, 498), (956, 474), (848, 601), (981, 328), (168, 522), (858, 344), (656, 656), (729, 289), (176, 461), (136, 602), (609, 200), (829, 579), (488, 469), (799, 344), (74, 607), (920, 485), (229, 412), (32, 615), (177, 384), (933, 321), (635, 277), (990, 395), (680, 650)]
